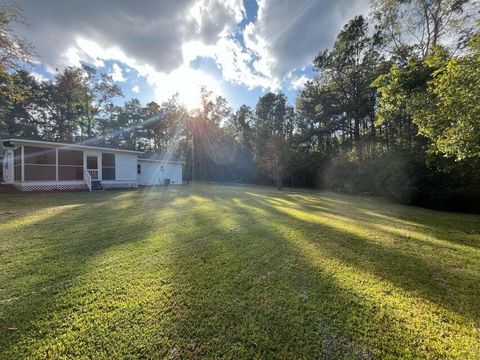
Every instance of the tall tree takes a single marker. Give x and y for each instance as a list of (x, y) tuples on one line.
[(277, 159), (98, 94), (205, 122), (415, 27), (242, 121), (348, 69), (21, 117)]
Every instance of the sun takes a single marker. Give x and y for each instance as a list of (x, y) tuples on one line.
[(187, 82)]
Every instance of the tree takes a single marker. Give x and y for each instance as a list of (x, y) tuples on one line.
[(397, 92), (273, 116), (166, 123), (241, 122), (66, 104), (14, 50), (415, 27), (449, 113), (204, 128), (348, 70), (277, 159), (17, 117), (15, 84), (97, 94)]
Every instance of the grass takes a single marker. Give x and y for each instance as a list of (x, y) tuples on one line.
[(235, 272)]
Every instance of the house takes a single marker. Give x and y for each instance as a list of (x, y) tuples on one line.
[(34, 165)]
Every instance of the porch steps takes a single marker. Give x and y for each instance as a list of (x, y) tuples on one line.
[(97, 185)]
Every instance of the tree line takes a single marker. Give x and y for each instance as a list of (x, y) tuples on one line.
[(393, 110)]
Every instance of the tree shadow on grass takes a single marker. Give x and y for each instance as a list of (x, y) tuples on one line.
[(249, 290), (438, 272), (455, 228), (246, 291), (56, 250), (404, 259), (236, 276)]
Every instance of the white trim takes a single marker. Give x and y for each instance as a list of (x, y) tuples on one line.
[(49, 182), (65, 145), (67, 185), (22, 163), (56, 164)]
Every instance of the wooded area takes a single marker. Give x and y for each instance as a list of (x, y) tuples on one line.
[(394, 110)]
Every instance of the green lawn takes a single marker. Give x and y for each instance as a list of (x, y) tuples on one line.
[(235, 272)]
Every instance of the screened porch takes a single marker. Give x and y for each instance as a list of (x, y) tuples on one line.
[(47, 164)]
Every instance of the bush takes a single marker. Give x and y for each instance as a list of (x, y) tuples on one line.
[(409, 179)]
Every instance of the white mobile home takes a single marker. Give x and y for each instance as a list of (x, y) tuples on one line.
[(34, 165)]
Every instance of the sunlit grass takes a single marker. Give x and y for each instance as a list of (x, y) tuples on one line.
[(237, 272)]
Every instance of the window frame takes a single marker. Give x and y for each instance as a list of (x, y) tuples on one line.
[(109, 167)]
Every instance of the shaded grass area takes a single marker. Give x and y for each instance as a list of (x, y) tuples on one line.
[(235, 272)]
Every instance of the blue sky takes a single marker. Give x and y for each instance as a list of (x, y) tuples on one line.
[(237, 48)]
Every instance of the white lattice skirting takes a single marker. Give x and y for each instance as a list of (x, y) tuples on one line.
[(51, 187)]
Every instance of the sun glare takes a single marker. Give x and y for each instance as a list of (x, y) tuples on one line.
[(187, 82)]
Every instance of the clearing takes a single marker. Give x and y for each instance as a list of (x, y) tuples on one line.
[(235, 272)]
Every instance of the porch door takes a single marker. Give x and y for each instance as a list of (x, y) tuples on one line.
[(92, 166)]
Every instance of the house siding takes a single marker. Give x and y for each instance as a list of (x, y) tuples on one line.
[(126, 167), (152, 173)]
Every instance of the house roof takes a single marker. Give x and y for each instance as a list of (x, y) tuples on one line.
[(159, 157), (9, 141)]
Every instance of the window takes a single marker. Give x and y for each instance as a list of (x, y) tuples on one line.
[(92, 162), (139, 169), (40, 173), (108, 166), (40, 163), (39, 156), (70, 164)]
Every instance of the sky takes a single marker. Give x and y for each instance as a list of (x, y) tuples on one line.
[(239, 49)]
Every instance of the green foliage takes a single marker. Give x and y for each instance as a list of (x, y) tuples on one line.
[(449, 113), (392, 176), (345, 76)]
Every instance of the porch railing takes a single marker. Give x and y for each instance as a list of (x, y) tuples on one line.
[(88, 179), (93, 173)]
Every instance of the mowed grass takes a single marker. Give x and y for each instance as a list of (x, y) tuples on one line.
[(235, 272)]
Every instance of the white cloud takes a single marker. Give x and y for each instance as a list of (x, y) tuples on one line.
[(136, 89), (287, 36), (183, 80), (117, 73), (298, 82), (159, 39), (38, 77)]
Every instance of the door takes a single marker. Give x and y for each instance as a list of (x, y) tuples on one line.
[(92, 166)]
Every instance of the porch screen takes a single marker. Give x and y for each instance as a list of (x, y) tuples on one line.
[(17, 163), (108, 166), (40, 163), (70, 164)]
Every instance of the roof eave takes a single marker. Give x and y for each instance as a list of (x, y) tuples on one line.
[(162, 161), (78, 146)]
